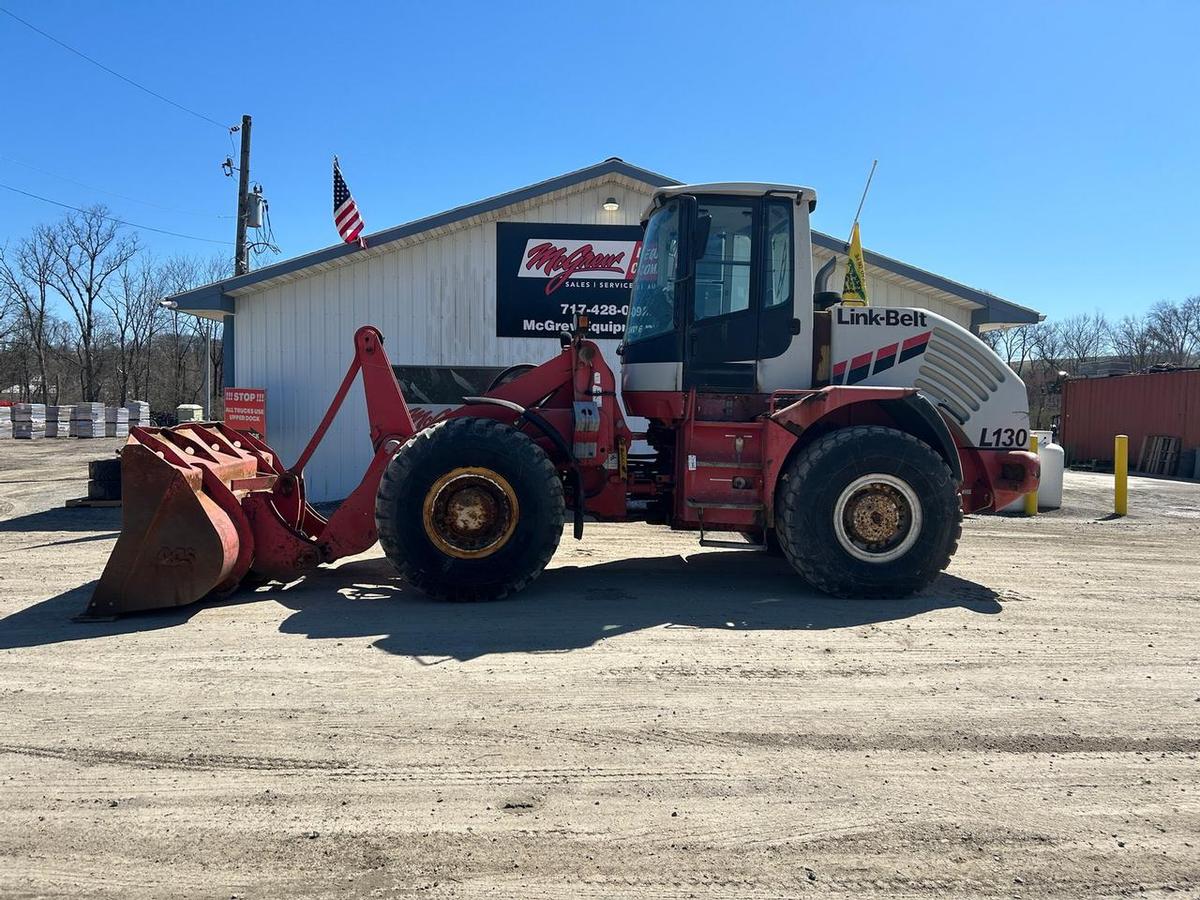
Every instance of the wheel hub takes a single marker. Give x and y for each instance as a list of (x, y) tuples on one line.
[(877, 518), (470, 512)]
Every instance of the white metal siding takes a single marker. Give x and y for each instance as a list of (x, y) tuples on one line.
[(434, 301)]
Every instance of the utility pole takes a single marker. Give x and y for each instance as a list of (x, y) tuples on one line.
[(241, 262), (241, 265), (208, 391)]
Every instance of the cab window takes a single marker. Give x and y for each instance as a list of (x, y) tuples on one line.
[(723, 272), (652, 306), (777, 277)]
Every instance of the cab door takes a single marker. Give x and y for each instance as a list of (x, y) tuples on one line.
[(722, 324)]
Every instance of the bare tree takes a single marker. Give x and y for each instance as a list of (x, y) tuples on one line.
[(25, 276), (88, 248), (10, 309), (1041, 382), (133, 304), (180, 273), (1084, 340), (1176, 329), (1134, 343), (208, 332), (1013, 344), (188, 337)]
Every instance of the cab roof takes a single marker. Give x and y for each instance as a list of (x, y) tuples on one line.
[(735, 188)]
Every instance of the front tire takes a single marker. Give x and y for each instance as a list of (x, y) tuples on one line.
[(868, 512), (470, 509)]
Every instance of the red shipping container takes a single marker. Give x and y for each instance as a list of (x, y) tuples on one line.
[(1095, 410)]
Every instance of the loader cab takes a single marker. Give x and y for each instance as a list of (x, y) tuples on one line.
[(722, 300)]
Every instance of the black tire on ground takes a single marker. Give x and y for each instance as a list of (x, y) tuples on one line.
[(470, 509), (774, 548), (900, 517)]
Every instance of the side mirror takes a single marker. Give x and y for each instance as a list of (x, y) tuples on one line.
[(703, 229)]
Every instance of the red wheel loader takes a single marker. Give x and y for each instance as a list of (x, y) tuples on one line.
[(851, 439)]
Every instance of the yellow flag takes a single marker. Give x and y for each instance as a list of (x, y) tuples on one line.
[(854, 288)]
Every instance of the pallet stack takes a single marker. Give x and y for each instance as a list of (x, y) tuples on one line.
[(189, 412), (116, 422), (29, 421), (139, 413), (6, 423), (88, 420), (1160, 454), (58, 421)]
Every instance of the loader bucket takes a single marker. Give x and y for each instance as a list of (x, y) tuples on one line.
[(184, 534), (205, 504)]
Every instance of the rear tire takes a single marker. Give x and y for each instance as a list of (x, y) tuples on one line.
[(470, 509), (868, 512)]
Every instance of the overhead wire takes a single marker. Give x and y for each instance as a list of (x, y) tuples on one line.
[(114, 73), (229, 130), (92, 187), (190, 237)]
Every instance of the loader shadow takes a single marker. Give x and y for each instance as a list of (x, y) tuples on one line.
[(83, 518), (572, 607), (568, 608), (53, 621)]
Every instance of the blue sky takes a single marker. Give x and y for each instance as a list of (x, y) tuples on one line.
[(1043, 151)]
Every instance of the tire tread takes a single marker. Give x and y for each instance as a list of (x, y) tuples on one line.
[(792, 496), (420, 447)]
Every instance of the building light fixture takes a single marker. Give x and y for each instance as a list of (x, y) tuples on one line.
[(611, 205)]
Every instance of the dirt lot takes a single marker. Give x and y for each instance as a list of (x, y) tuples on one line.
[(650, 720)]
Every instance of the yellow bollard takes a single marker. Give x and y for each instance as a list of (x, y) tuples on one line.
[(1031, 497), (1121, 475)]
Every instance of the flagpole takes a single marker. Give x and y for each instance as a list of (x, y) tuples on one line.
[(870, 175)]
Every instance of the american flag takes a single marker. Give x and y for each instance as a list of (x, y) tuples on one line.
[(345, 211)]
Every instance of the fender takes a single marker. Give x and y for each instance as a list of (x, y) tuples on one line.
[(916, 414), (837, 407)]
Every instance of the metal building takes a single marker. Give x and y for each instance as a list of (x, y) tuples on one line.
[(466, 293)]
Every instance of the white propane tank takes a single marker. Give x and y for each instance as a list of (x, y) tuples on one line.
[(1053, 459), (1050, 488)]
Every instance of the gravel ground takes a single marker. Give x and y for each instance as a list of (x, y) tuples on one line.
[(651, 719)]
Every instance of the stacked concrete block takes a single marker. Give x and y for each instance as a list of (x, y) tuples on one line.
[(58, 421), (116, 422), (88, 421), (6, 423), (139, 413), (104, 479), (189, 412), (29, 421)]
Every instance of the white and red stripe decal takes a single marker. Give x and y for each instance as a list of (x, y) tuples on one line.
[(858, 368)]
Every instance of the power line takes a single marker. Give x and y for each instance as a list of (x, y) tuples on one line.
[(190, 237), (91, 187), (116, 74)]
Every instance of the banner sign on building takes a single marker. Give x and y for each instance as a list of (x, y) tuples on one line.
[(246, 409), (545, 274)]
